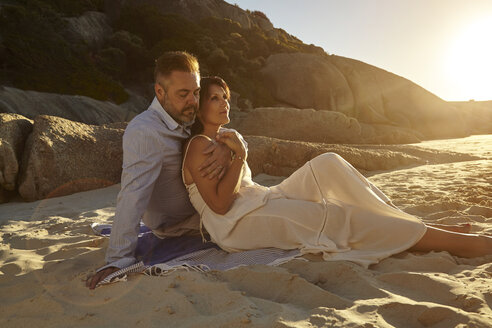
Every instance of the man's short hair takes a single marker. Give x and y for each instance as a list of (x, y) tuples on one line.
[(175, 61)]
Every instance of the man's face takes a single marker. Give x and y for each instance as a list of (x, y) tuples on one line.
[(179, 95)]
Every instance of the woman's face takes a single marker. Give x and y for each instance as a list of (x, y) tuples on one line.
[(215, 109)]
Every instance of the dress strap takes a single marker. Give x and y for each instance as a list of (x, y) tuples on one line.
[(186, 153), (182, 176)]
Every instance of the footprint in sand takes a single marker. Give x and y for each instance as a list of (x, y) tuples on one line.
[(10, 269), (420, 287)]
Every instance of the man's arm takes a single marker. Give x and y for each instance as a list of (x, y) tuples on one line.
[(142, 162), (219, 158), (218, 194)]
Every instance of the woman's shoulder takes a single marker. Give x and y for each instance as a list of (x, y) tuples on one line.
[(196, 144), (199, 140)]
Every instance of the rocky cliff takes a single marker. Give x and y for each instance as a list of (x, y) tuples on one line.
[(196, 10), (264, 65)]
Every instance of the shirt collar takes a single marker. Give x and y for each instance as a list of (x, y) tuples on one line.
[(167, 119)]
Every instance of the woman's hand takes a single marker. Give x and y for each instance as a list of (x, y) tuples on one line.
[(232, 140)]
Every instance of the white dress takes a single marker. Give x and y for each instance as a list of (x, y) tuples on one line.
[(326, 206)]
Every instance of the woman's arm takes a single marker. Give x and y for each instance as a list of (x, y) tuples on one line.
[(218, 194)]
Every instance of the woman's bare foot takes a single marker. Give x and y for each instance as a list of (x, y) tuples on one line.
[(462, 227)]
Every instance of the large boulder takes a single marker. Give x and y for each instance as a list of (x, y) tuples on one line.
[(282, 157), (14, 130), (92, 28), (75, 108), (381, 94), (303, 125), (308, 81), (62, 157), (367, 93), (317, 126), (388, 134)]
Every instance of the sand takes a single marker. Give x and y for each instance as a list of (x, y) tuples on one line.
[(47, 250)]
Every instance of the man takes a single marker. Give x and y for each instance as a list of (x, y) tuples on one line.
[(151, 183)]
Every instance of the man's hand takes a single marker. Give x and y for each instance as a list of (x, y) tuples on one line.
[(91, 282), (215, 166)]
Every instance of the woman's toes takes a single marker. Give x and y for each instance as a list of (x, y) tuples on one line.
[(466, 227)]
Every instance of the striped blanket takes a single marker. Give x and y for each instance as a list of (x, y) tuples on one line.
[(157, 257)]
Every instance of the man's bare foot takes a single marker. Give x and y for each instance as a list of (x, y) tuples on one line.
[(462, 227)]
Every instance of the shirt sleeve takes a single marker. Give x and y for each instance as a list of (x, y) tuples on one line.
[(142, 163)]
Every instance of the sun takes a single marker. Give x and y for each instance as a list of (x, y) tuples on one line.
[(469, 64)]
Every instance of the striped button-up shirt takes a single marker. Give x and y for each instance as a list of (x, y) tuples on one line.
[(151, 184)]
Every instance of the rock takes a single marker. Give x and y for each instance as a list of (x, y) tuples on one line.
[(388, 134), (308, 81), (135, 104), (233, 101), (263, 22), (297, 124), (191, 9), (380, 95), (317, 126), (14, 130), (369, 94), (5, 195), (196, 10), (276, 157), (281, 157), (62, 157), (92, 27), (479, 118), (75, 108)]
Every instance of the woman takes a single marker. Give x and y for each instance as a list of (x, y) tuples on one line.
[(325, 207)]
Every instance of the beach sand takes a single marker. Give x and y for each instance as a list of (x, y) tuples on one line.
[(47, 250)]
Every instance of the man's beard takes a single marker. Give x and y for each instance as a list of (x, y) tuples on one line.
[(179, 115), (189, 117)]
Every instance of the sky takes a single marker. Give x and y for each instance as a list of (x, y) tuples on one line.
[(445, 46)]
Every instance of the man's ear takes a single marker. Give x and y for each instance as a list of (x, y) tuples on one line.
[(159, 90)]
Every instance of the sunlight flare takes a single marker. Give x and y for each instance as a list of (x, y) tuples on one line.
[(469, 63)]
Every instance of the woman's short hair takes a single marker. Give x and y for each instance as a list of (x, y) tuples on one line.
[(175, 61)]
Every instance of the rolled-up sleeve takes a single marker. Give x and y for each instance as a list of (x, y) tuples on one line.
[(142, 162)]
